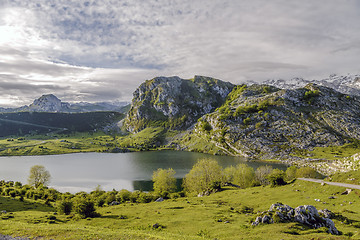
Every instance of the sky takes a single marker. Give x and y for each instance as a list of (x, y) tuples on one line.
[(102, 50)]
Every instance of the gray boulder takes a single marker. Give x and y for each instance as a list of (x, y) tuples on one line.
[(305, 214)]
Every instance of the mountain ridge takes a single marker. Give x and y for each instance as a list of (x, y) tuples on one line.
[(51, 103)]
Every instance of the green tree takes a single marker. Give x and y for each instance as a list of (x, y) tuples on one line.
[(261, 174), (307, 172), (241, 175), (84, 207), (205, 176), (164, 181), (276, 177), (65, 206), (291, 173), (39, 176)]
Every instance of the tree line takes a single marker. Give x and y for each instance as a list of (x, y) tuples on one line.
[(206, 177)]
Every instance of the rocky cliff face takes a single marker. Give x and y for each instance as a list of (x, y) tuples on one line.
[(175, 103), (267, 122)]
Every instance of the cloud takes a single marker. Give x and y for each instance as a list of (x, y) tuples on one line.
[(103, 49)]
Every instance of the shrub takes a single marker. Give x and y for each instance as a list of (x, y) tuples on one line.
[(203, 176), (307, 172), (241, 175), (144, 197), (123, 196), (134, 196), (110, 198), (247, 120), (65, 206), (85, 208), (276, 178), (261, 174), (291, 173), (205, 126), (164, 181)]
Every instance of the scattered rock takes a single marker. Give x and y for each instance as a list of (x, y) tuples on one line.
[(113, 203), (306, 214), (156, 225), (323, 184), (346, 192), (219, 220), (318, 200), (331, 197), (160, 199), (327, 213)]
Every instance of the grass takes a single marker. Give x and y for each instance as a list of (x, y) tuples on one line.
[(191, 217), (335, 152), (352, 177), (149, 138)]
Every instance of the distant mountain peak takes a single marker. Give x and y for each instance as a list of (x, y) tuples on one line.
[(347, 84), (48, 103)]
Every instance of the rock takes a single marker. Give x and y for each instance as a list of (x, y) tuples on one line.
[(113, 203), (318, 200), (323, 184), (156, 225), (160, 199), (346, 192), (331, 197), (306, 214), (327, 213), (267, 219), (219, 220)]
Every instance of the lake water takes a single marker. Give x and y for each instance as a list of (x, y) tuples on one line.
[(133, 171)]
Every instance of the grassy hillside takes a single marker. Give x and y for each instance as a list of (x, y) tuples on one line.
[(24, 123), (223, 215)]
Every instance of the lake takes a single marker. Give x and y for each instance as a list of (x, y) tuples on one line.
[(133, 171)]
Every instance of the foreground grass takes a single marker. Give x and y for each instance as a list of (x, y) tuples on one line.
[(223, 215)]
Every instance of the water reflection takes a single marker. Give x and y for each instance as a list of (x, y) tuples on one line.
[(132, 171)]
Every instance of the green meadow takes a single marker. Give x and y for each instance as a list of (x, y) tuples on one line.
[(222, 215)]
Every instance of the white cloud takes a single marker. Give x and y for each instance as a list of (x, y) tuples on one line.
[(103, 49)]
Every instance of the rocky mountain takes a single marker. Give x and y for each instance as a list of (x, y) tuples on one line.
[(50, 103), (268, 122), (348, 84), (175, 103)]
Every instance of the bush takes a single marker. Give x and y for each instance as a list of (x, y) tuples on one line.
[(123, 196), (145, 197), (291, 173), (110, 198), (276, 178), (202, 178), (241, 175), (85, 207), (164, 181), (307, 172), (134, 196), (65, 206), (261, 174)]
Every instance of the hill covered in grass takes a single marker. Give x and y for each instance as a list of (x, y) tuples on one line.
[(224, 215), (34, 123)]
